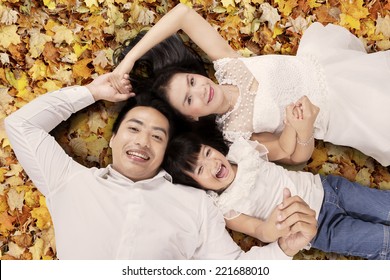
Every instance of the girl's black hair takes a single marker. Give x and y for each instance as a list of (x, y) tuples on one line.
[(183, 150)]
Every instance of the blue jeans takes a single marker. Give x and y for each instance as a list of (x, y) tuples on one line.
[(354, 220)]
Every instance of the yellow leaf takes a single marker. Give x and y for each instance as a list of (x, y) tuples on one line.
[(286, 6), (363, 177), (78, 49), (314, 4), (15, 199), (100, 59), (42, 215), (95, 121), (352, 12), (8, 16), (19, 81), (95, 146), (227, 3), (9, 35), (383, 26), (90, 3), (62, 34), (51, 85), (37, 42), (5, 109), (38, 70), (50, 4), (15, 250), (80, 69), (79, 147), (37, 249), (31, 198), (3, 203)]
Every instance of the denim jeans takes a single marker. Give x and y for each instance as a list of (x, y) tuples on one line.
[(354, 220)]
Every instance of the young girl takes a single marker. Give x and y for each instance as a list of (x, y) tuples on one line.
[(331, 68), (352, 219)]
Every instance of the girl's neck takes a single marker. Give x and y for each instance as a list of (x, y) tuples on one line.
[(231, 94)]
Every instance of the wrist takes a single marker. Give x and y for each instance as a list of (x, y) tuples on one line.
[(305, 140), (283, 246), (93, 92)]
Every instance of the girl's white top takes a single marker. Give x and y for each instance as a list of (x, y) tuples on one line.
[(258, 185)]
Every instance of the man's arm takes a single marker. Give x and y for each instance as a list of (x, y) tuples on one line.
[(28, 129)]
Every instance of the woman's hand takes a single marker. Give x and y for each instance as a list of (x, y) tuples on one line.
[(119, 78), (102, 89)]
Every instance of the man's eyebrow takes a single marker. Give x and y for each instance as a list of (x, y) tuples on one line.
[(137, 121)]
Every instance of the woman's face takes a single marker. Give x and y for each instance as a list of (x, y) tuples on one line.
[(195, 95), (213, 171)]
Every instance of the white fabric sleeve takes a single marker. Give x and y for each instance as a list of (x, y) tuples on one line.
[(43, 159), (216, 243)]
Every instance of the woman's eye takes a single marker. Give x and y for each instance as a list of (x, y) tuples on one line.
[(189, 100), (200, 170), (192, 81)]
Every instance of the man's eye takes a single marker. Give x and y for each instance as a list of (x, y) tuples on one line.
[(189, 100), (208, 152), (134, 129), (157, 137), (192, 81)]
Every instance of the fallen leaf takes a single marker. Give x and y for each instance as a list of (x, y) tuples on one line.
[(15, 200)]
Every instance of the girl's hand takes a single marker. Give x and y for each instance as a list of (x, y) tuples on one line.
[(102, 89), (302, 117), (271, 230)]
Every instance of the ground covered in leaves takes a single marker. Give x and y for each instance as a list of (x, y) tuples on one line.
[(49, 44)]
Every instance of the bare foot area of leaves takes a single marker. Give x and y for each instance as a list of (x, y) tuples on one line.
[(50, 44)]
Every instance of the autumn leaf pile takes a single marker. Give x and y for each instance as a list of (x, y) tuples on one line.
[(49, 44)]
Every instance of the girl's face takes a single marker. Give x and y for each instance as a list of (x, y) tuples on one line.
[(195, 96), (213, 171)]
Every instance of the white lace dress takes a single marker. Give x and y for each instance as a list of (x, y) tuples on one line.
[(258, 185), (351, 87)]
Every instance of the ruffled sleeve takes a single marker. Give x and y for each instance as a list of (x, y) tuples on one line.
[(248, 156)]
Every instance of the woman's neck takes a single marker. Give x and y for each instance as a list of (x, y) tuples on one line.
[(231, 94)]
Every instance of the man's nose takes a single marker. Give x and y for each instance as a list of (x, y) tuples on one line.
[(143, 140)]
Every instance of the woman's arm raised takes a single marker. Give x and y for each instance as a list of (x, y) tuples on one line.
[(183, 18)]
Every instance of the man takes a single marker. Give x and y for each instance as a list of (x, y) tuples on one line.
[(130, 209)]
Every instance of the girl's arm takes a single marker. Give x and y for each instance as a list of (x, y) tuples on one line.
[(266, 231), (183, 18), (292, 147)]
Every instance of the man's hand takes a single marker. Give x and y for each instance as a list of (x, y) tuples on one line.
[(120, 75), (102, 89), (300, 218)]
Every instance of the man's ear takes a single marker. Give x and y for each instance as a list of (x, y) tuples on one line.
[(110, 143)]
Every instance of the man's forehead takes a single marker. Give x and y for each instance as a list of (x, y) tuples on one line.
[(147, 115)]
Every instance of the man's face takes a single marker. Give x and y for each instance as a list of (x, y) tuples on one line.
[(139, 145)]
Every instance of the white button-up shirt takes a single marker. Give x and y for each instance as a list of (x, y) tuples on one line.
[(101, 214)]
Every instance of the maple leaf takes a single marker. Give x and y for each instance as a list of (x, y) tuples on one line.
[(37, 249), (19, 81), (37, 42), (38, 71), (80, 69), (383, 26), (100, 59), (50, 4), (41, 214), (5, 107), (9, 35), (286, 6), (352, 12), (79, 147), (62, 34), (270, 15), (8, 16), (14, 250), (15, 200), (6, 223), (364, 177)]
